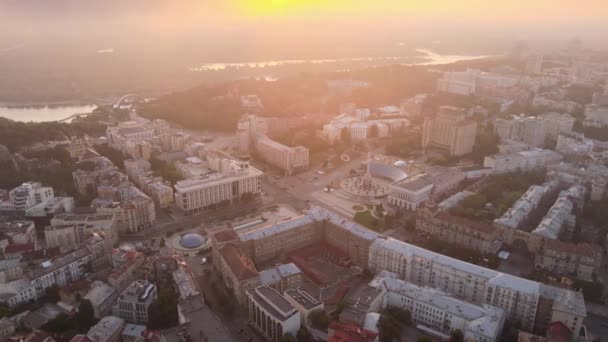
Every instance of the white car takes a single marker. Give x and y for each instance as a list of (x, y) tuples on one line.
[(321, 172)]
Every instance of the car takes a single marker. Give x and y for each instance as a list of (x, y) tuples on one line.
[(321, 172), (203, 260)]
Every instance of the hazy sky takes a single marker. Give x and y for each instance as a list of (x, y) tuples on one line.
[(106, 23)]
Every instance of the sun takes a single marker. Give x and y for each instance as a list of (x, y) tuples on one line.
[(287, 7)]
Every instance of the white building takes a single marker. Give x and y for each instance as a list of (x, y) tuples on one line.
[(27, 196), (476, 82), (235, 180), (523, 161), (60, 271), (596, 113), (561, 217), (108, 329), (518, 297), (441, 313), (412, 192), (525, 205), (573, 144), (271, 314), (133, 303), (555, 124)]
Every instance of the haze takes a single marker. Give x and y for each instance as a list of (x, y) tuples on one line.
[(104, 24)]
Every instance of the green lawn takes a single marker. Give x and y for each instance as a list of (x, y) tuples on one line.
[(366, 219)]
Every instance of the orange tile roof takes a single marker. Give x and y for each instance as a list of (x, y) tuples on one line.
[(241, 266)]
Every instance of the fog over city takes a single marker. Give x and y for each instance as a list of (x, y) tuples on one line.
[(304, 170)]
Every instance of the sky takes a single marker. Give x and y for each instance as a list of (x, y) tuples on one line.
[(106, 24)]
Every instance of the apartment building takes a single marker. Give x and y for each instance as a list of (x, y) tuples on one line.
[(476, 82), (84, 225), (450, 130), (527, 206), (582, 260), (271, 314), (102, 297), (135, 211), (282, 277), (560, 219), (288, 159), (19, 232), (458, 231), (535, 159), (518, 297), (133, 303), (233, 181), (528, 302), (573, 144), (238, 271), (555, 124), (441, 313), (139, 171), (126, 264), (87, 181), (59, 271)]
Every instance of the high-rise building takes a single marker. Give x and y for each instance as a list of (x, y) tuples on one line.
[(450, 130)]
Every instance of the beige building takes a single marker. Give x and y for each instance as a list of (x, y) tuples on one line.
[(450, 130), (135, 211), (459, 231), (238, 271), (289, 159), (582, 261)]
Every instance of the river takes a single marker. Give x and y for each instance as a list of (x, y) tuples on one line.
[(424, 57), (44, 113)]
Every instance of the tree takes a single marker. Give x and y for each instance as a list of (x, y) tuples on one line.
[(288, 338), (51, 294), (456, 336), (319, 319), (424, 339), (373, 131), (162, 313), (85, 318), (486, 143), (345, 135), (247, 197), (410, 224), (303, 335), (4, 310)]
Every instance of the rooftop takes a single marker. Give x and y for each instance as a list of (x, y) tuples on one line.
[(303, 298), (106, 328), (494, 277), (241, 266), (273, 302)]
